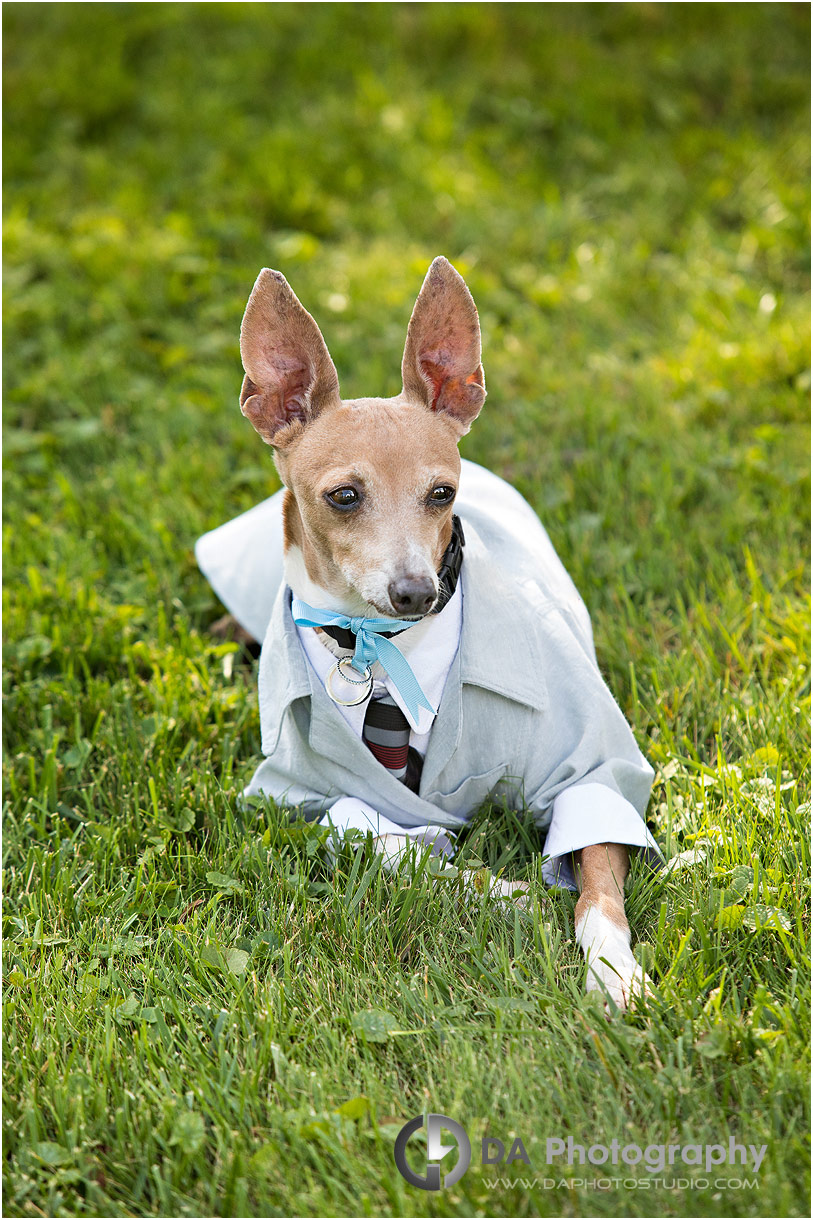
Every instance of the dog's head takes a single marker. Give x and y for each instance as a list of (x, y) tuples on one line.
[(371, 481)]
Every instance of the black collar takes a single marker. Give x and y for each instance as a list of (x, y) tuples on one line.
[(448, 576)]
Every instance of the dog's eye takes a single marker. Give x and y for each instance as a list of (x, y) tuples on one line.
[(343, 497), (442, 494)]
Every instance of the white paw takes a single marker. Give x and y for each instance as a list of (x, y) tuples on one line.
[(505, 893), (397, 850), (513, 893), (622, 981), (611, 968), (401, 850)]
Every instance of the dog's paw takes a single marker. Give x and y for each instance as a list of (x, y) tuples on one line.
[(228, 628), (623, 982), (401, 850), (510, 893), (505, 893), (397, 850)]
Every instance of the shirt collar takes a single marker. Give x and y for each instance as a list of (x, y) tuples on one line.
[(430, 658)]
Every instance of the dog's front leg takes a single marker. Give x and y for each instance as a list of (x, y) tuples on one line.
[(398, 850), (602, 931)]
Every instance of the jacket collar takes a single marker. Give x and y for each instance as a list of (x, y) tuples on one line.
[(496, 606), (492, 605)]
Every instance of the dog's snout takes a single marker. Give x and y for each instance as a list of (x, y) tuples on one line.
[(412, 594)]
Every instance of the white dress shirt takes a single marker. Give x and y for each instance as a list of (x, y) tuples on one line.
[(430, 654)]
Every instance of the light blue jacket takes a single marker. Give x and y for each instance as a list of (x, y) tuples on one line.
[(525, 715)]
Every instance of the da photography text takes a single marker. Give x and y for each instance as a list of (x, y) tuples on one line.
[(558, 1151)]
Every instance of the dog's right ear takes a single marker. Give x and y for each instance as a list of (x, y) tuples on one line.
[(289, 377), (441, 365)]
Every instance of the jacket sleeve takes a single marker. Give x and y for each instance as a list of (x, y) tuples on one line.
[(586, 776), (275, 781)]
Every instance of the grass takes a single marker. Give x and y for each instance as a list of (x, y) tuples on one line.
[(625, 188)]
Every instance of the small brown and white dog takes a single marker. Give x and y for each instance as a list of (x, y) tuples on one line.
[(367, 515)]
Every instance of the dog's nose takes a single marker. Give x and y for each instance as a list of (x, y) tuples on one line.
[(412, 594)]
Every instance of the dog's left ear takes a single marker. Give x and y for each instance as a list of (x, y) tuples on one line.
[(441, 365), (290, 377)]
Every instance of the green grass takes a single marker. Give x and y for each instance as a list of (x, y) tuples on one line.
[(625, 188)]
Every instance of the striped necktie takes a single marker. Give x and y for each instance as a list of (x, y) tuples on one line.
[(386, 733)]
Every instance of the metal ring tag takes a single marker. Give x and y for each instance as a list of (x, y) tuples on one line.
[(364, 683)]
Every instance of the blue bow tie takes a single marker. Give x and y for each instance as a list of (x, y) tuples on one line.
[(370, 647)]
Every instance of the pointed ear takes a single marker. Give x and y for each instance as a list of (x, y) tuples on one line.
[(290, 377), (441, 365)]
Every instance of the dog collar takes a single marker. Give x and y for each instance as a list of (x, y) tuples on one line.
[(448, 576), (371, 645)]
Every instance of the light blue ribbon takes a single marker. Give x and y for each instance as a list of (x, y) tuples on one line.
[(371, 647)]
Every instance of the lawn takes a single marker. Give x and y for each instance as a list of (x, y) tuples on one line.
[(188, 983)]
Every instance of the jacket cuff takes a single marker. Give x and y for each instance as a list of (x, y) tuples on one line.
[(590, 813), (349, 813)]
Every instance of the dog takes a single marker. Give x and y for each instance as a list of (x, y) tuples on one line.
[(423, 647)]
